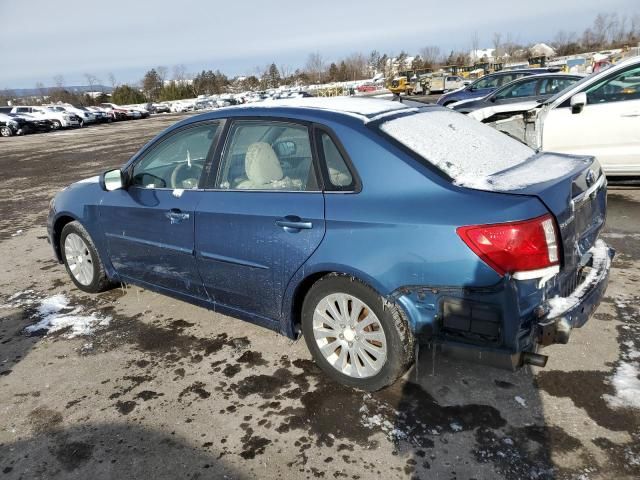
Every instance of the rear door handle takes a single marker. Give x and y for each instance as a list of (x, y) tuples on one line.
[(175, 215), (293, 223)]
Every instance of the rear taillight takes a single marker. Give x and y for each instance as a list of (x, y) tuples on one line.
[(514, 246)]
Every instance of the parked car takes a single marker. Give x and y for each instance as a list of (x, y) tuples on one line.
[(102, 116), (116, 112), (488, 83), (29, 124), (59, 119), (161, 108), (8, 126), (289, 215), (84, 116), (445, 82), (600, 116), (516, 97)]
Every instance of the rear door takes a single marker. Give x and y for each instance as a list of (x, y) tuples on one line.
[(261, 217), (149, 227), (607, 127)]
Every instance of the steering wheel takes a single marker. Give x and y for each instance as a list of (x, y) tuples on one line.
[(185, 176)]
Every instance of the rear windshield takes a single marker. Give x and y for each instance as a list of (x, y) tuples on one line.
[(461, 147)]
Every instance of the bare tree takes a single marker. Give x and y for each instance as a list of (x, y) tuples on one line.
[(112, 80), (497, 45), (92, 81), (179, 73), (315, 66), (162, 73), (430, 55), (42, 90), (475, 46), (285, 72)]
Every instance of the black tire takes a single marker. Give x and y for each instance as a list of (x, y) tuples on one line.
[(400, 339), (99, 282), (56, 124), (5, 131)]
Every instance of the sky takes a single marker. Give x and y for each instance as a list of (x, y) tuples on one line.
[(42, 38)]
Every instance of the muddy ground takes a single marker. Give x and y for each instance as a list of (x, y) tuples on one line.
[(166, 390)]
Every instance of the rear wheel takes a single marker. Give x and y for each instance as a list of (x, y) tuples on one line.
[(353, 336), (81, 259), (56, 125), (6, 131)]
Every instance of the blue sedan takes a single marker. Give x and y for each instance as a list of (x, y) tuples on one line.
[(367, 226), (488, 83)]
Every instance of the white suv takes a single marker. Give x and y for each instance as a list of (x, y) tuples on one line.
[(59, 119), (599, 115)]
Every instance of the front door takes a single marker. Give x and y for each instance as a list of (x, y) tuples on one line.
[(149, 227), (607, 127), (262, 218)]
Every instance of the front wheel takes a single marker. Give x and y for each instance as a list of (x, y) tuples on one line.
[(56, 124), (353, 336), (81, 259), (6, 131)]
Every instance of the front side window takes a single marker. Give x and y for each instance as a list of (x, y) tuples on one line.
[(551, 86), (487, 82), (267, 155), (621, 87), (178, 161), (523, 89)]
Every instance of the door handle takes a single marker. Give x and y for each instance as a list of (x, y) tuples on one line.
[(175, 215), (632, 114), (293, 223)]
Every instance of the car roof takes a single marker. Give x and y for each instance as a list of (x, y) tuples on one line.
[(365, 109)]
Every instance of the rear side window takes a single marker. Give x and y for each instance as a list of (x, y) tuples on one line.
[(461, 147), (339, 174), (267, 155)]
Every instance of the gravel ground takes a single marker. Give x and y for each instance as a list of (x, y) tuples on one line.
[(162, 389)]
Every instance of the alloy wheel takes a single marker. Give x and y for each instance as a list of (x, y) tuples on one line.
[(78, 258), (349, 335)]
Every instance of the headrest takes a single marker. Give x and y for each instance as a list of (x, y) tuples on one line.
[(261, 164)]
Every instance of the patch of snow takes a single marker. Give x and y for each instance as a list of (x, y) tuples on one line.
[(626, 383), (456, 427), (463, 148), (558, 305), (544, 168), (177, 192), (56, 314), (521, 401), (19, 232)]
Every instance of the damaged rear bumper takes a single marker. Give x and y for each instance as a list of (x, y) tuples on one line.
[(563, 314), (504, 324)]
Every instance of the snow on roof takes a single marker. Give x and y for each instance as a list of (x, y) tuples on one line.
[(363, 108), (542, 49)]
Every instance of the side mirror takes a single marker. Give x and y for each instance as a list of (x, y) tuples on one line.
[(112, 180), (493, 99), (578, 101)]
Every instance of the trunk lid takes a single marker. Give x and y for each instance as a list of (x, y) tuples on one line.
[(573, 188)]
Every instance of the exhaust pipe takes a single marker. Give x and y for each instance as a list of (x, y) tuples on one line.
[(535, 359)]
